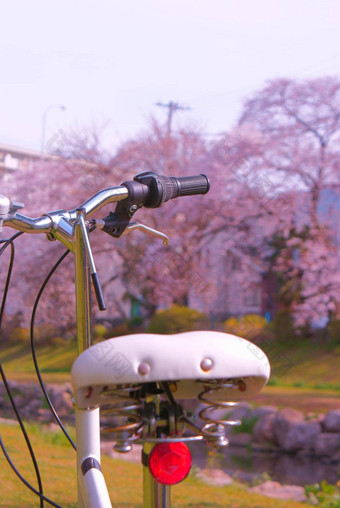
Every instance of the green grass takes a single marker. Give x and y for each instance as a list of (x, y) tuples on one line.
[(304, 364), (57, 464), (299, 364), (304, 375), (55, 362)]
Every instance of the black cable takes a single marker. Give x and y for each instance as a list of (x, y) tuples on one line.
[(3, 376), (9, 271), (34, 310), (28, 485), (41, 382)]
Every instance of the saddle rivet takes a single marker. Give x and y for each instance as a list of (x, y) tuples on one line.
[(206, 364), (144, 368)]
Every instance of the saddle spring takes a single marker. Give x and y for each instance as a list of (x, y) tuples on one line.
[(214, 430), (123, 415)]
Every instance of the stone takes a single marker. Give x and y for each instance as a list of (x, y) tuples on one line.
[(32, 408), (264, 430), (261, 411), (331, 422), (283, 422), (327, 444), (214, 477), (276, 490), (240, 412), (301, 436), (44, 415)]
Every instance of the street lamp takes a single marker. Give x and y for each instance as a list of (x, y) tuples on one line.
[(43, 123)]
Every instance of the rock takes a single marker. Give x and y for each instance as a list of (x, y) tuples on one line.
[(264, 430), (240, 412), (261, 411), (326, 444), (8, 421), (132, 456), (301, 436), (20, 401), (44, 415), (283, 422), (331, 422), (31, 410), (275, 489), (214, 477), (61, 399)]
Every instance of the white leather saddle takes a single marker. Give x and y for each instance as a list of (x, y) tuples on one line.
[(187, 360)]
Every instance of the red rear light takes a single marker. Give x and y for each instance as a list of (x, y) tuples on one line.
[(170, 463)]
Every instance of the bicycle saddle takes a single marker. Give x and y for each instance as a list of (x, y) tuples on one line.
[(187, 360)]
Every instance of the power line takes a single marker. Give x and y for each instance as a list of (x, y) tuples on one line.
[(172, 108)]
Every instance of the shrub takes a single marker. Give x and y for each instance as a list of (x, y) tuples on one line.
[(177, 319), (251, 326), (246, 426), (46, 331), (135, 322), (283, 326), (20, 335), (119, 330), (57, 342), (334, 329), (99, 331)]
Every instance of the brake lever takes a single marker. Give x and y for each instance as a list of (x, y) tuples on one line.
[(128, 228), (146, 229)]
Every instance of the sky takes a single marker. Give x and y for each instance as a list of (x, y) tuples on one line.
[(108, 62)]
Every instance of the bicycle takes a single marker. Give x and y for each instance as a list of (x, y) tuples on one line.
[(128, 386)]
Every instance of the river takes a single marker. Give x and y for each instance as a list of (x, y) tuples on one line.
[(248, 465)]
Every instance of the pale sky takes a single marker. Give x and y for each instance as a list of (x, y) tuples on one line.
[(110, 61)]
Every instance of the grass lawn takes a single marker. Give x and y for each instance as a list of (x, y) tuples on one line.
[(310, 381), (57, 464), (304, 375)]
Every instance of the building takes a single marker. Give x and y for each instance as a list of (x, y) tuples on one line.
[(14, 158)]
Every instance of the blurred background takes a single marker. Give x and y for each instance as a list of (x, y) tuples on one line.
[(246, 92)]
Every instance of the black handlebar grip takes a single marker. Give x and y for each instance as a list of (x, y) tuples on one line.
[(162, 188), (190, 185)]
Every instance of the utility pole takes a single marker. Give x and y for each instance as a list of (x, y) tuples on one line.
[(172, 108)]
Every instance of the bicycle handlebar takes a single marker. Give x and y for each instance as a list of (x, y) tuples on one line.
[(147, 189)]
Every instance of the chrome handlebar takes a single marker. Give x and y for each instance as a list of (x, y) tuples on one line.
[(147, 189), (46, 223)]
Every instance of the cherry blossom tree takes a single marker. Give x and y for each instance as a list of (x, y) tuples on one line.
[(271, 178), (299, 128)]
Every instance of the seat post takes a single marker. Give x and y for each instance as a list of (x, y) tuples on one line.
[(155, 495)]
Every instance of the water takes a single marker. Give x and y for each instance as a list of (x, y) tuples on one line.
[(248, 465)]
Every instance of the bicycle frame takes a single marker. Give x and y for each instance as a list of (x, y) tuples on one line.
[(70, 229), (92, 490)]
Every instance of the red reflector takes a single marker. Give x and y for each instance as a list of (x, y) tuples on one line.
[(170, 463)]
